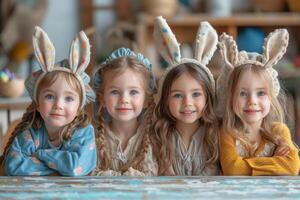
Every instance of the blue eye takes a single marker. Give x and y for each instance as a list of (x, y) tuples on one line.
[(133, 92), (114, 92), (196, 94), (69, 99), (261, 93), (178, 96), (49, 97), (243, 94)]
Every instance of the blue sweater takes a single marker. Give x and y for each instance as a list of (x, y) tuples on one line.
[(31, 153)]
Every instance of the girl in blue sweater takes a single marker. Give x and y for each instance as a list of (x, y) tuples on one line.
[(55, 135)]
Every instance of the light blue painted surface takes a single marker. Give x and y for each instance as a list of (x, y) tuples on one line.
[(124, 188)]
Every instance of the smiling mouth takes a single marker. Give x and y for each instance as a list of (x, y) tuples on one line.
[(251, 111), (123, 109), (187, 112), (56, 115)]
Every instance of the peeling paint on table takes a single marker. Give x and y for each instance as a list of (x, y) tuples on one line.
[(212, 188)]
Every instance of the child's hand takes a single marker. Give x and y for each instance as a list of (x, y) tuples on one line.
[(108, 173), (281, 150), (133, 172)]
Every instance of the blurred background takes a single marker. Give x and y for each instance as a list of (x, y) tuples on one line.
[(110, 24)]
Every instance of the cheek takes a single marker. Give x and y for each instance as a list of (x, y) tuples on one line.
[(109, 103), (109, 99), (238, 106), (240, 103), (173, 106), (75, 107), (267, 105), (201, 102), (43, 106), (142, 100)]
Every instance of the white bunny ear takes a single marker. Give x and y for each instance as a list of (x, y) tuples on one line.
[(79, 53), (206, 43), (165, 41), (43, 49), (229, 50), (275, 46)]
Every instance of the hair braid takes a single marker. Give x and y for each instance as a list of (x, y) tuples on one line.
[(136, 163), (29, 119), (79, 121), (103, 151)]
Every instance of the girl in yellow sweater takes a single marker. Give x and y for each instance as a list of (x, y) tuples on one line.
[(254, 140)]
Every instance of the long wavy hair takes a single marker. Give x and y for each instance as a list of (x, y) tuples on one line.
[(118, 66), (164, 125), (32, 118), (232, 122)]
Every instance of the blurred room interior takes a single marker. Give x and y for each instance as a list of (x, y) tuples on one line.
[(110, 24)]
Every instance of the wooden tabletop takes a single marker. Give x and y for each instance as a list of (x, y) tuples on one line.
[(214, 187), (14, 103)]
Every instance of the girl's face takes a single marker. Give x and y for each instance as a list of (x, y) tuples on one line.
[(252, 102), (124, 95), (187, 100), (58, 104)]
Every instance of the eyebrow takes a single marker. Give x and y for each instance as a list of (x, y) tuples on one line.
[(46, 90), (132, 87), (262, 88), (67, 92), (193, 90)]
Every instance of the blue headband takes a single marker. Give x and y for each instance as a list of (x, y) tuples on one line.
[(119, 53)]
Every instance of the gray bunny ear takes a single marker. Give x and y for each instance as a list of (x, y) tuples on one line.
[(275, 46), (206, 43), (165, 41), (229, 50), (43, 49), (79, 53)]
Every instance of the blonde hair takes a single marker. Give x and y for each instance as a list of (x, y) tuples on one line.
[(32, 118), (164, 125), (118, 66), (233, 124)]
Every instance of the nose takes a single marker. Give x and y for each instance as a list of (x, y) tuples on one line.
[(187, 100), (124, 99), (252, 101), (58, 104)]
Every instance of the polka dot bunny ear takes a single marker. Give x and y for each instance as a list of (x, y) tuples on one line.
[(168, 47), (206, 43), (79, 53), (166, 42), (44, 50), (78, 61)]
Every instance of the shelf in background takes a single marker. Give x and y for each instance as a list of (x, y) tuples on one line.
[(185, 26)]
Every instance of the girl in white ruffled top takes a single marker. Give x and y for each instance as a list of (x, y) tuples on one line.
[(124, 86)]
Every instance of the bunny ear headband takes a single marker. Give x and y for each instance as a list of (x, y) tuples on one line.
[(274, 47), (79, 59), (205, 46)]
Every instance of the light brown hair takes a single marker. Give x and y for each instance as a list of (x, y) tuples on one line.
[(164, 125), (232, 123), (117, 66), (32, 118)]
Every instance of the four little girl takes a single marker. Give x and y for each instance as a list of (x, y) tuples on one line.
[(179, 134)]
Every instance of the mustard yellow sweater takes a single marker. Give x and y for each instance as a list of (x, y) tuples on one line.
[(234, 164)]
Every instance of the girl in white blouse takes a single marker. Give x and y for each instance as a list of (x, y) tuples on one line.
[(124, 86), (185, 130)]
